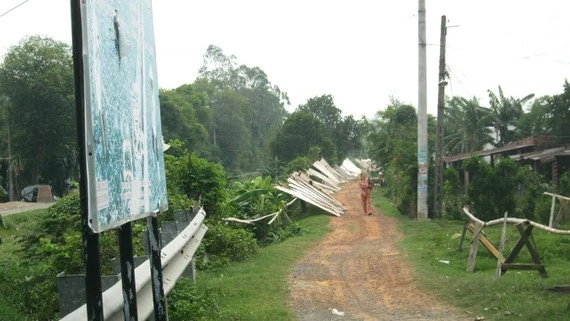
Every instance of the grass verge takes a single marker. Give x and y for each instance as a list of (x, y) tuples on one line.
[(517, 295), (254, 290), (11, 270)]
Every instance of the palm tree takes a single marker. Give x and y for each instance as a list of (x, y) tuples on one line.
[(467, 126), (506, 112)]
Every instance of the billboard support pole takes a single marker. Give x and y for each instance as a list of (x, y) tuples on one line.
[(158, 297), (125, 234), (91, 255)]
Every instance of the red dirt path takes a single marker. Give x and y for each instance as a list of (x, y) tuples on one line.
[(357, 269)]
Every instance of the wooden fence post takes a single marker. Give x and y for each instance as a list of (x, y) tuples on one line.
[(474, 246), (552, 211), (502, 247)]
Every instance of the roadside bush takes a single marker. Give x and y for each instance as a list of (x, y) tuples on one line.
[(225, 244), (255, 198), (491, 190), (300, 163), (54, 245), (176, 202), (530, 200), (187, 303), (453, 198), (401, 188), (202, 181), (564, 184)]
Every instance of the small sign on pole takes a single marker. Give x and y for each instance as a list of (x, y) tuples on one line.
[(125, 165)]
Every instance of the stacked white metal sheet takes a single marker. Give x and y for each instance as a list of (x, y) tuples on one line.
[(349, 166), (319, 183)]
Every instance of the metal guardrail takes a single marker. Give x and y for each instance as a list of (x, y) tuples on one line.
[(175, 257)]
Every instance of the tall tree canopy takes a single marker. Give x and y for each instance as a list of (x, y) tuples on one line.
[(506, 113), (301, 132), (346, 133), (467, 126), (36, 77), (179, 116), (260, 110), (559, 114), (393, 134)]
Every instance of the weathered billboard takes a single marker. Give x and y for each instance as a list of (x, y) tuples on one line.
[(125, 165)]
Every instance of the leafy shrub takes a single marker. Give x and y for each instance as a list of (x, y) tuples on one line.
[(224, 244), (453, 198), (564, 184), (401, 185), (254, 198), (300, 163), (491, 189), (530, 199), (196, 178), (54, 245), (176, 202), (279, 234), (188, 303)]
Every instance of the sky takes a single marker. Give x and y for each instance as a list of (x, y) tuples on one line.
[(362, 52)]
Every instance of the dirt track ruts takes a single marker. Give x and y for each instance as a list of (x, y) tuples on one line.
[(357, 269)]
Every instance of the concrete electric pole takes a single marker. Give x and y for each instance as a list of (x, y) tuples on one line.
[(438, 185), (422, 115)]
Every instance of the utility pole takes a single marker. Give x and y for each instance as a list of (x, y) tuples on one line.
[(438, 186), (422, 115)]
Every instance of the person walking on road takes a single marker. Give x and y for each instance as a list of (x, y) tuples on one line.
[(365, 189)]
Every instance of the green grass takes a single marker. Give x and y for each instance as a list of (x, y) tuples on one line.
[(258, 288), (10, 268), (517, 295)]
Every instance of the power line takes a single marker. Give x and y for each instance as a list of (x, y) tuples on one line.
[(7, 12)]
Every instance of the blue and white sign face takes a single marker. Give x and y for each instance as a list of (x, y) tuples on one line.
[(123, 133)]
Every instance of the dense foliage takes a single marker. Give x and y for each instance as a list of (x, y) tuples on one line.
[(37, 83), (392, 142)]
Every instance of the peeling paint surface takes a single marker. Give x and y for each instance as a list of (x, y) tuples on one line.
[(124, 136)]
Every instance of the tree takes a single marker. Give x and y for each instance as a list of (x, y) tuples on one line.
[(324, 110), (506, 112), (350, 133), (537, 120), (558, 115), (346, 133), (467, 126), (232, 136), (392, 134), (263, 112), (36, 76), (392, 142), (301, 132), (179, 121)]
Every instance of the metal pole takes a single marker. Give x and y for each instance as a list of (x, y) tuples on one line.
[(158, 297), (91, 255), (125, 234), (438, 185), (422, 116)]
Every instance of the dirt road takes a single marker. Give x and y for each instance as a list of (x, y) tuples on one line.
[(17, 207), (358, 270)]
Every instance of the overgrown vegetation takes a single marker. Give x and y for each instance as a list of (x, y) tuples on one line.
[(51, 243), (255, 289), (496, 189), (517, 295)]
